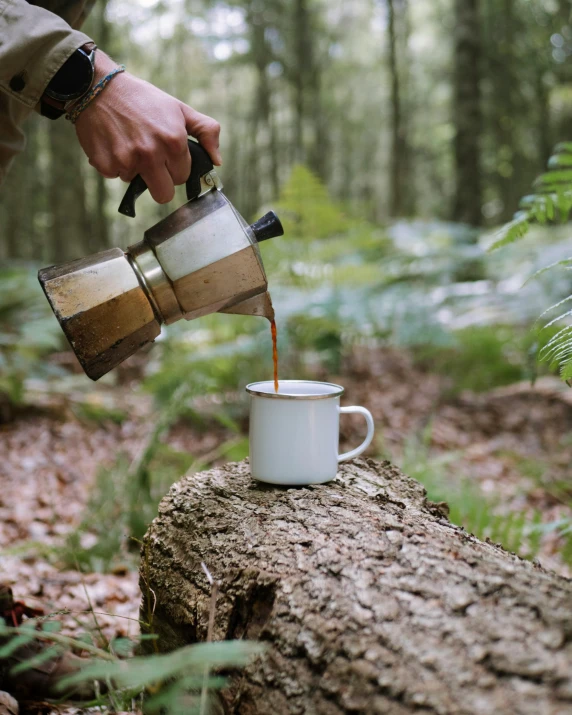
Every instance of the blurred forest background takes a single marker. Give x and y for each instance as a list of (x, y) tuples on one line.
[(444, 109), (393, 138)]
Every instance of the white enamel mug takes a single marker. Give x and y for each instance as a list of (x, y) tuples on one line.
[(294, 433)]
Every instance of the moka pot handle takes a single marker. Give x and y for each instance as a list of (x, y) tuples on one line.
[(201, 165)]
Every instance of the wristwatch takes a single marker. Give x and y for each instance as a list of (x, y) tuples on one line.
[(70, 83)]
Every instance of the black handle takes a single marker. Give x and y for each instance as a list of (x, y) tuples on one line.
[(268, 226), (201, 165)]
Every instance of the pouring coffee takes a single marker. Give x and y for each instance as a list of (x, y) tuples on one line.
[(202, 258)]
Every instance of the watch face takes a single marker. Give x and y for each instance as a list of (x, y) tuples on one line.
[(74, 77)]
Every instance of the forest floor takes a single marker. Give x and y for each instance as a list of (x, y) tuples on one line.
[(512, 443)]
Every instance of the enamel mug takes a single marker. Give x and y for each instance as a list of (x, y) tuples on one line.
[(294, 433)]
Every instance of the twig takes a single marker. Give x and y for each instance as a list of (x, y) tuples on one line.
[(89, 603), (102, 613), (145, 577), (62, 640), (210, 629)]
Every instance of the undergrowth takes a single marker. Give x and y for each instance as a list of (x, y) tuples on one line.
[(483, 357), (178, 683), (126, 495), (518, 531)]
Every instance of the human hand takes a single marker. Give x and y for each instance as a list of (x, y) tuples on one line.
[(133, 128)]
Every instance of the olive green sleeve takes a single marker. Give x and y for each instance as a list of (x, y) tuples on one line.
[(34, 44)]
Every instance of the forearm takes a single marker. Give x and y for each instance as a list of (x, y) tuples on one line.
[(34, 44)]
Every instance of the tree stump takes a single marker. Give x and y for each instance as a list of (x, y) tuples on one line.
[(368, 599)]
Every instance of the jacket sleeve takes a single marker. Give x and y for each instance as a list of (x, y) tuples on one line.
[(34, 44)]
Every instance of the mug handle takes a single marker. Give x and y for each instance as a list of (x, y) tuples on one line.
[(367, 441)]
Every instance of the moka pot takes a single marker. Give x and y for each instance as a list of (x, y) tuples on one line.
[(202, 258)]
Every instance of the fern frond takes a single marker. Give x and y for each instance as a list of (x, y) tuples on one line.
[(559, 317), (551, 201), (554, 178), (512, 231), (560, 160), (558, 352), (556, 305), (566, 371), (556, 339), (536, 274), (563, 147), (564, 203)]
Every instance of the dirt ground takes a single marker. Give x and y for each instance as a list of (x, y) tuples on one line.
[(49, 457)]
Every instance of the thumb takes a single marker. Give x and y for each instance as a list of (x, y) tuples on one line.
[(205, 129)]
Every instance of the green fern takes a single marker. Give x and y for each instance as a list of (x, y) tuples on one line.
[(552, 201), (512, 231), (175, 683), (566, 262)]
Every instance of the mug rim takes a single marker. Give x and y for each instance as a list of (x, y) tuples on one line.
[(250, 388)]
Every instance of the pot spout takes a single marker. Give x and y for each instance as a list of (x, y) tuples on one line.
[(260, 305)]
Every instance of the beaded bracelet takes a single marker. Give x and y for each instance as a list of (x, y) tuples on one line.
[(74, 113)]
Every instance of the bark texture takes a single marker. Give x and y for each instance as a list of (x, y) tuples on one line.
[(370, 601)]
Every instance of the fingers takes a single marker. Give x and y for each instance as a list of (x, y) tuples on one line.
[(205, 129), (160, 183), (179, 162), (156, 150), (161, 179)]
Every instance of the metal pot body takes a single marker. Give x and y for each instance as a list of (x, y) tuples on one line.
[(201, 259), (102, 307)]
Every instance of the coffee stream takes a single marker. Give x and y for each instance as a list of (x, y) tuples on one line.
[(274, 353)]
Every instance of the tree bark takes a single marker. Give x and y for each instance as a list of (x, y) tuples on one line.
[(368, 599), (467, 113)]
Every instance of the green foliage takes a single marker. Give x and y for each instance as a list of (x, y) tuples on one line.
[(513, 230), (28, 331), (125, 496), (551, 202), (482, 357), (321, 335), (560, 490), (516, 531), (176, 683), (213, 368), (306, 209), (93, 411)]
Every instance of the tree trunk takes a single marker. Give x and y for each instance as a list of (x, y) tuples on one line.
[(100, 234), (398, 143), (368, 599), (70, 231), (301, 74), (21, 200), (467, 115), (506, 105), (545, 143)]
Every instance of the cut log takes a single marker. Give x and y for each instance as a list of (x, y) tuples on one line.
[(368, 599)]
